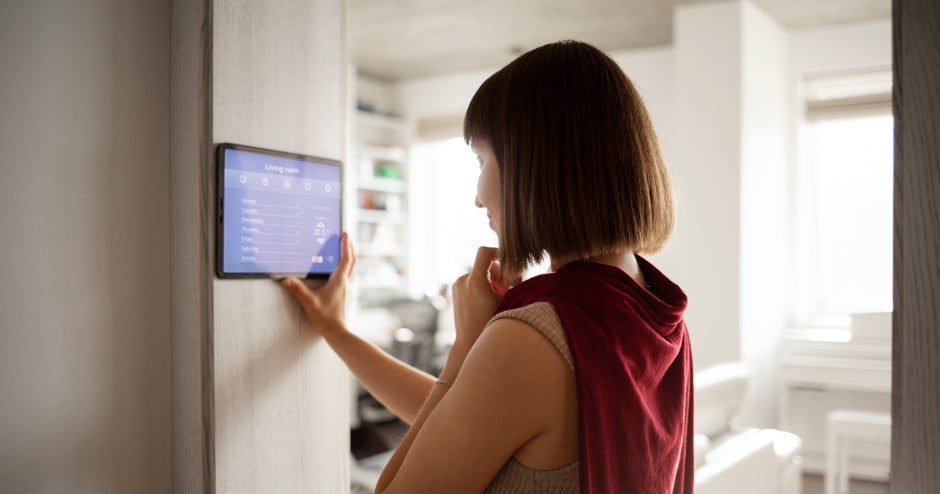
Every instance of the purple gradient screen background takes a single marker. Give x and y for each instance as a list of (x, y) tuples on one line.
[(281, 215)]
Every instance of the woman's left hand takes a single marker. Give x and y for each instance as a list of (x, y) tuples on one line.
[(475, 301)]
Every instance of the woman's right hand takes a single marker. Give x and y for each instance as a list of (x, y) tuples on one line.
[(475, 300), (325, 307)]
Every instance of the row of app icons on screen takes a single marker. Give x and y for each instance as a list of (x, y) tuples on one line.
[(286, 183)]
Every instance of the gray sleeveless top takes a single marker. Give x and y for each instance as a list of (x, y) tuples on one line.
[(514, 477)]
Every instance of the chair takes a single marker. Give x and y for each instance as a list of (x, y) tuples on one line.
[(413, 341), (842, 428), (731, 458)]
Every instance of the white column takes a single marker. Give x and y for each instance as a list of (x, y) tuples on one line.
[(764, 208), (705, 253), (729, 164)]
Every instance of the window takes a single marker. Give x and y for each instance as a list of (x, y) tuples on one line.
[(450, 226), (845, 197)]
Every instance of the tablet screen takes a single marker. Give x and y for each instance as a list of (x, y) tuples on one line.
[(280, 213)]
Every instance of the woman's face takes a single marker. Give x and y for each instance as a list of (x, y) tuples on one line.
[(488, 183)]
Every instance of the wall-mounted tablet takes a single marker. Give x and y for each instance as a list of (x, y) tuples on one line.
[(279, 214)]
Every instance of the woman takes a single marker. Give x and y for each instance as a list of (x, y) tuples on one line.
[(582, 378)]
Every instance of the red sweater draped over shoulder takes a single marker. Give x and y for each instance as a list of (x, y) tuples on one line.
[(633, 367)]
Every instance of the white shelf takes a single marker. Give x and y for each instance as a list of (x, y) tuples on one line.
[(366, 249), (392, 286), (384, 184), (380, 216), (383, 153), (378, 120)]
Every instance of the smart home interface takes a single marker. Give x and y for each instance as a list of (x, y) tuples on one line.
[(279, 214)]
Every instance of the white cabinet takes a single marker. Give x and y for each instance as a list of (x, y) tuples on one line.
[(824, 370)]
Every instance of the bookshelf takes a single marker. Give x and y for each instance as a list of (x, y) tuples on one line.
[(381, 207)]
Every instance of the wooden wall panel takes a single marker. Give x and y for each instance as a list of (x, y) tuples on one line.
[(260, 403), (915, 448), (280, 395)]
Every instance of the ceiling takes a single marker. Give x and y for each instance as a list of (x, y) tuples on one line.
[(399, 39)]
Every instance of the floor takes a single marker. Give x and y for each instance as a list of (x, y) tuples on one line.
[(377, 438), (813, 484), (371, 446)]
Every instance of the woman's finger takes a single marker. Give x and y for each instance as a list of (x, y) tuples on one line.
[(349, 255), (499, 285), (297, 288), (346, 261), (460, 282), (481, 266)]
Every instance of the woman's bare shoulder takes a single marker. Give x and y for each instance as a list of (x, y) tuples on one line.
[(517, 359)]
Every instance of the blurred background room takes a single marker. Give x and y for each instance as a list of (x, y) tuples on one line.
[(127, 365)]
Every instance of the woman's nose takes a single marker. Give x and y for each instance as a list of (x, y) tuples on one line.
[(477, 203)]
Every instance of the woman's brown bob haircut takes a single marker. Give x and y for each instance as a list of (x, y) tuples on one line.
[(581, 173)]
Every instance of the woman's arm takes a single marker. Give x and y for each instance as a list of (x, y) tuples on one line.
[(498, 402), (400, 387), (504, 397)]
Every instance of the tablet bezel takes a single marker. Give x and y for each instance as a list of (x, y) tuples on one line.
[(220, 208)]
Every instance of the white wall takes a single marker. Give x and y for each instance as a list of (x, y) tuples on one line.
[(841, 48), (652, 71), (84, 256), (442, 95)]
